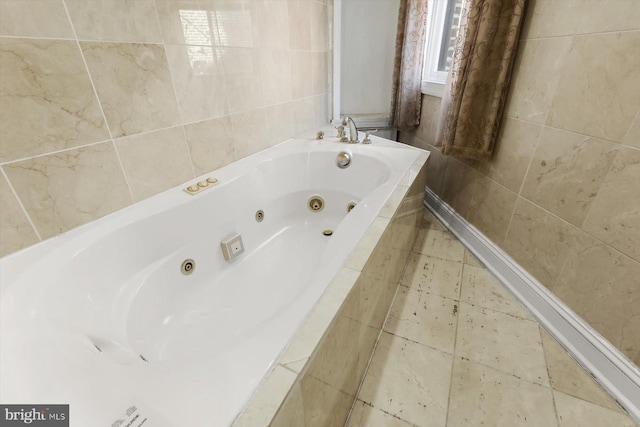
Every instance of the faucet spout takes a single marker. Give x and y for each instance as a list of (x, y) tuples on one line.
[(353, 130)]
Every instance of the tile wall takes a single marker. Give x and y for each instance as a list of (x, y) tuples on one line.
[(107, 102), (561, 194)]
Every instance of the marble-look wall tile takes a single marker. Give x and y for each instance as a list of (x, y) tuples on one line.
[(593, 97), (491, 208), (299, 24), (156, 161), (46, 99), (549, 18), (280, 119), (458, 187), (539, 241), (34, 18), (319, 27), (436, 171), (633, 135), (198, 78), (601, 285), (319, 73), (301, 66), (189, 21), (244, 79), (556, 178), (211, 144), (115, 20), (270, 23), (17, 232), (536, 75), (275, 67), (429, 115), (134, 86), (250, 132), (291, 413), (515, 146), (598, 16), (304, 114), (70, 188), (614, 216)]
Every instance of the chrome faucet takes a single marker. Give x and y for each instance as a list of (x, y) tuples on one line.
[(353, 130)]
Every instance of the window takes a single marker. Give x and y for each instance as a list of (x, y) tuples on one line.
[(442, 29)]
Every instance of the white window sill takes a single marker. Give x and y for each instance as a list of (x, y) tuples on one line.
[(432, 88)]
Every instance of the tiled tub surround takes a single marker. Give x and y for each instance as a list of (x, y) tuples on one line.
[(105, 103), (107, 305), (561, 194), (317, 377)]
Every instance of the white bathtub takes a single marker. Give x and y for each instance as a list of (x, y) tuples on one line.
[(102, 318)]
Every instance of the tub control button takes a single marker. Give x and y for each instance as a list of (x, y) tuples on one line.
[(212, 180), (193, 188), (203, 184)]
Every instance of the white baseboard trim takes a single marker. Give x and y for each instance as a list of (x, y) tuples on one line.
[(610, 368)]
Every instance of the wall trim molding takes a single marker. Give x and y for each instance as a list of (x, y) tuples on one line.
[(606, 364)]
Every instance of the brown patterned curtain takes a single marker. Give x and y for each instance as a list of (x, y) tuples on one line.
[(407, 70), (479, 78)]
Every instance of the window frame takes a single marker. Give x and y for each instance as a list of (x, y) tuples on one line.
[(433, 81)]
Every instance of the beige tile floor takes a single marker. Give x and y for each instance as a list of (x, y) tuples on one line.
[(458, 350)]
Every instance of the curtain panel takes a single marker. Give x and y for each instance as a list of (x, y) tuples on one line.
[(478, 82), (409, 59)]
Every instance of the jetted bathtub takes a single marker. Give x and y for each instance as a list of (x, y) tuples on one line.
[(103, 318)]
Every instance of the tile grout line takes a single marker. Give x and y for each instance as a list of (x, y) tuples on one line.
[(52, 153), (24, 210), (455, 345), (546, 365), (95, 93), (594, 33)]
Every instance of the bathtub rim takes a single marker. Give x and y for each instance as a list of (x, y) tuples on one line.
[(264, 404)]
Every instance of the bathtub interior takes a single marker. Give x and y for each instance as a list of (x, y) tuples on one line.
[(119, 299)]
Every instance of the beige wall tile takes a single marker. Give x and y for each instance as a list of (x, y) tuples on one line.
[(155, 161), (459, 185), (598, 16), (189, 21), (198, 78), (515, 146), (250, 132), (67, 189), (548, 18), (601, 285), (305, 115), (235, 20), (301, 66), (481, 395), (34, 18), (567, 376), (115, 20), (244, 79), (536, 75), (319, 73), (299, 24), (46, 99), (593, 97), (614, 215), (556, 178), (15, 228), (633, 135), (574, 412), (491, 208), (436, 170), (134, 86), (429, 115), (211, 144), (319, 26), (506, 343), (275, 67), (395, 382), (539, 241), (270, 23), (280, 119)]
